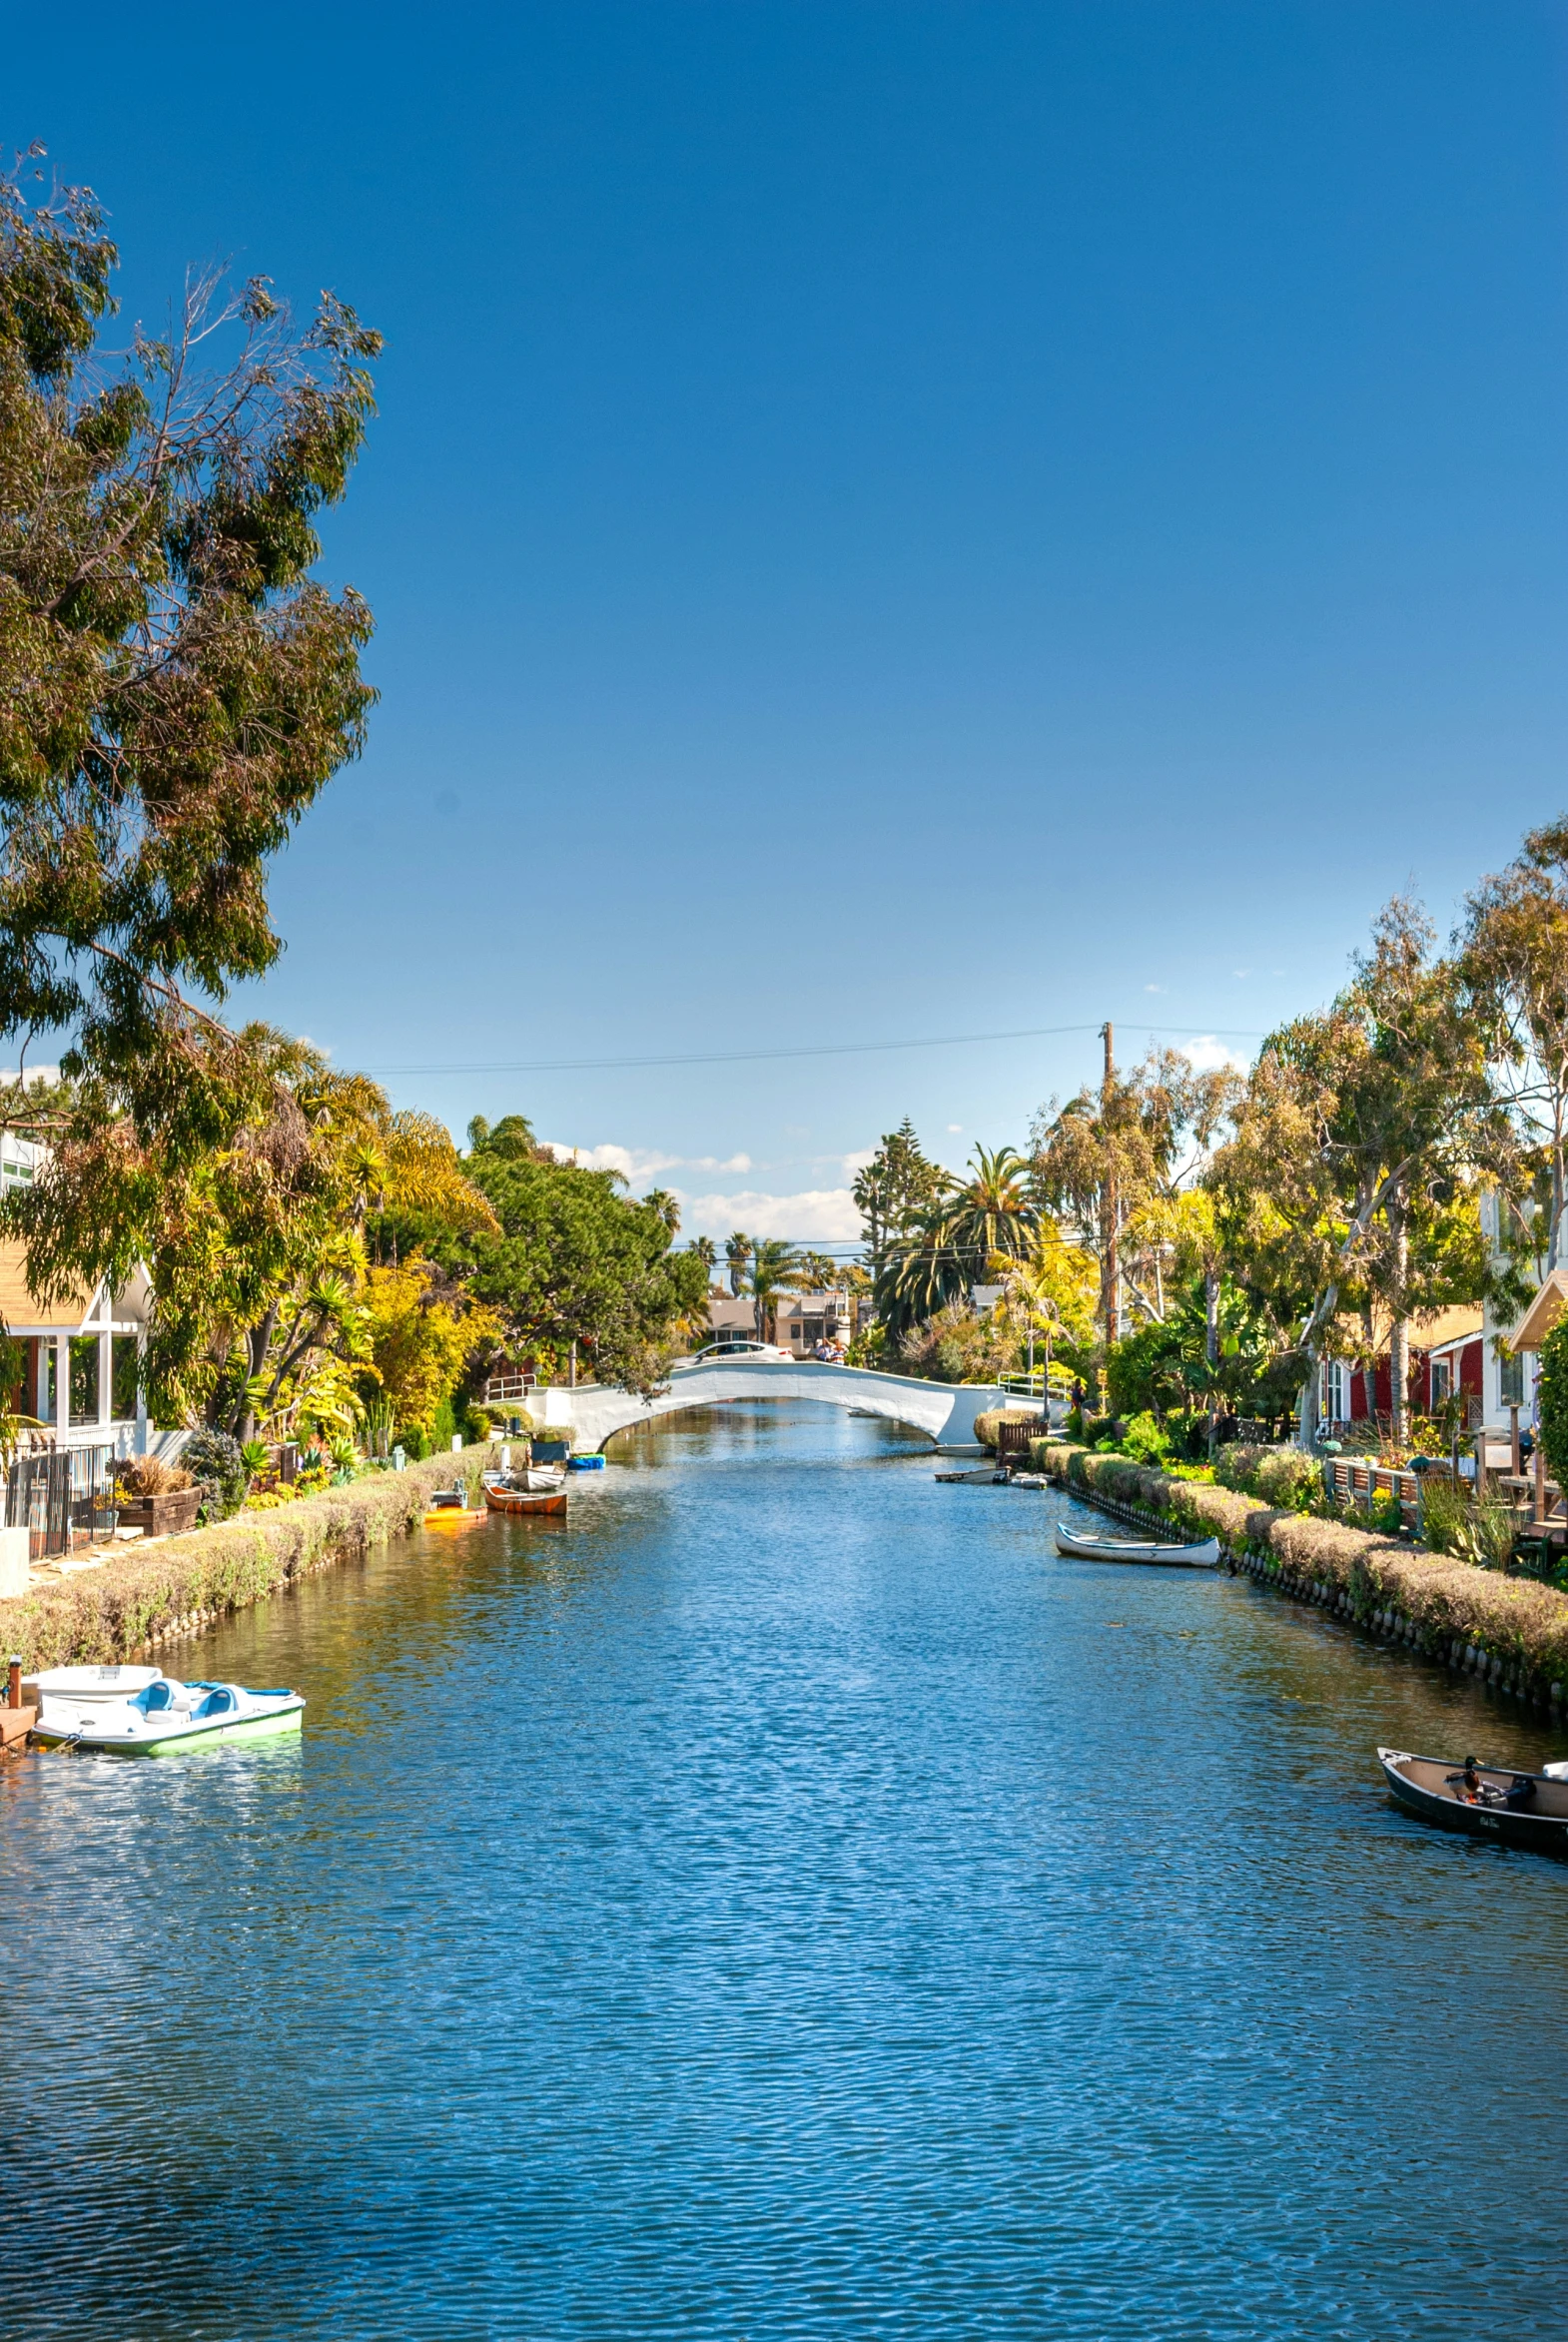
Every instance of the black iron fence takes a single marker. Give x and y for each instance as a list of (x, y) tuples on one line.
[(64, 1496)]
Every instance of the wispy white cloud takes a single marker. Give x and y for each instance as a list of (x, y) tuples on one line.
[(638, 1164), (954, 1129), (33, 1074), (856, 1162), (814, 1215), (1207, 1053)]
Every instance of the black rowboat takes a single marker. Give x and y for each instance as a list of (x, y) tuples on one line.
[(1519, 1809)]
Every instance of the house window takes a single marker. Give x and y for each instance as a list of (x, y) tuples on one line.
[(1510, 1381), (813, 1330), (1442, 1381), (121, 1406), (84, 1379), (1334, 1391)]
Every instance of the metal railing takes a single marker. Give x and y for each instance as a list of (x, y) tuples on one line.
[(63, 1497)]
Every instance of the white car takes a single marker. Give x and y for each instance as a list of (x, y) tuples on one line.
[(738, 1347)]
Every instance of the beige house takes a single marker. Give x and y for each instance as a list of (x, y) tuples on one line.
[(79, 1371), (79, 1354), (801, 1319)]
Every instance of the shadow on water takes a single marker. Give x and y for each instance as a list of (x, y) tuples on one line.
[(782, 1901)]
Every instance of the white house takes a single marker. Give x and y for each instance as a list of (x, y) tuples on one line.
[(1507, 1380)]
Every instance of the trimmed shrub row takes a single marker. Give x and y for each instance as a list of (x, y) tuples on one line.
[(989, 1418), (1454, 1611), (137, 1599)]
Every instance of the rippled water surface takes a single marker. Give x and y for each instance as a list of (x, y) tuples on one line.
[(782, 1901)]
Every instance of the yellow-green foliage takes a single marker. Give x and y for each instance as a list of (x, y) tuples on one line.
[(108, 1613), (1448, 1601)]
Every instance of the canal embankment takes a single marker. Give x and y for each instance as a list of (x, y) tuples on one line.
[(138, 1597), (1511, 1632)]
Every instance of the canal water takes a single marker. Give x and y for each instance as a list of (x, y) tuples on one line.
[(782, 1901)]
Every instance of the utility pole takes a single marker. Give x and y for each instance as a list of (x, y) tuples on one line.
[(1111, 1203)]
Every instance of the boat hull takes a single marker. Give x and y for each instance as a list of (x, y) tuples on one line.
[(1419, 1786), (1205, 1555), (99, 1741), (516, 1500)]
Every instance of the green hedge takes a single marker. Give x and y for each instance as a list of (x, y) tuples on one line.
[(139, 1597), (1450, 1606)]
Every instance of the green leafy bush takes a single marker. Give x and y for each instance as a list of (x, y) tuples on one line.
[(1288, 1479), (217, 1464), (1145, 1441), (1237, 1467), (1554, 1401), (1451, 1522)]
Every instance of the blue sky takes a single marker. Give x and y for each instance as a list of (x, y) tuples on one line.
[(884, 521)]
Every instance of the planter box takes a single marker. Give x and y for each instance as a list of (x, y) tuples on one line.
[(162, 1516)]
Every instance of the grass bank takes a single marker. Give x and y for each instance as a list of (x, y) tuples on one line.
[(142, 1598), (1509, 1630)]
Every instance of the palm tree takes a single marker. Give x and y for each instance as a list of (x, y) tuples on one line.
[(775, 1264), (707, 1253), (992, 1210), (660, 1200), (951, 1246), (737, 1253)]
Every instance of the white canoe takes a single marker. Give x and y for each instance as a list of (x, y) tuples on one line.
[(1201, 1556), (164, 1716)]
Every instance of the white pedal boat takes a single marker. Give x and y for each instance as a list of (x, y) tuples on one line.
[(1205, 1555), (162, 1716)]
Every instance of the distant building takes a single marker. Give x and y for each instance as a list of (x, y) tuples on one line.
[(802, 1320), (1445, 1356)]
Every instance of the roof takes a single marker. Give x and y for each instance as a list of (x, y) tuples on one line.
[(1448, 1330), (1542, 1315), (1437, 1329), (21, 1313)]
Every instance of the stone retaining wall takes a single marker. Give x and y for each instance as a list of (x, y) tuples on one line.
[(143, 1598), (1513, 1631)]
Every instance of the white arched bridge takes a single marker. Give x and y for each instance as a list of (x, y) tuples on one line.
[(944, 1411)]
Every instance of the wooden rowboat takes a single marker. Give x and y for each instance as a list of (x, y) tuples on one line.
[(1201, 1556), (1521, 1809), (500, 1495)]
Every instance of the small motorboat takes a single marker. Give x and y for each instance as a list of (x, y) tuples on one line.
[(1204, 1555), (449, 1508), (1522, 1809), (532, 1490), (585, 1463), (164, 1716)]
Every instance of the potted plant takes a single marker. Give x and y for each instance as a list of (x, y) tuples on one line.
[(158, 1499)]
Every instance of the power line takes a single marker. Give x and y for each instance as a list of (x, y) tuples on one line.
[(748, 1056)]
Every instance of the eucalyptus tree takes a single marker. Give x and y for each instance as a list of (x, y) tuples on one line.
[(1355, 1121), (1112, 1161), (175, 686), (1514, 947)]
